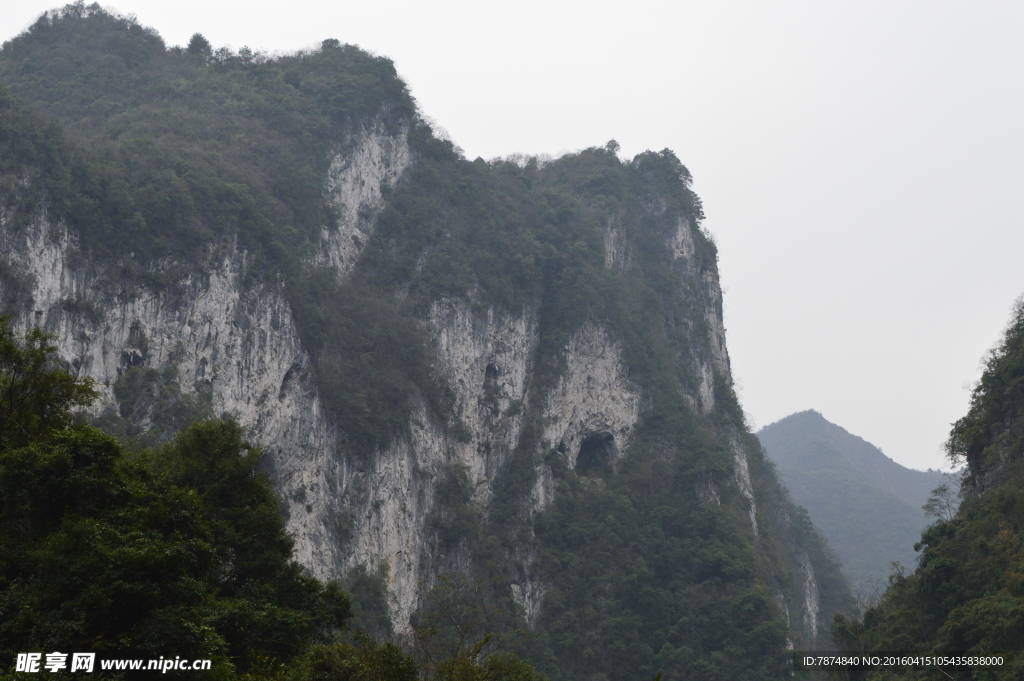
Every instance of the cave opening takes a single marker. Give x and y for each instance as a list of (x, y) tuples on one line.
[(597, 455)]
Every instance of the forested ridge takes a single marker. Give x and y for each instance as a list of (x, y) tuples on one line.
[(866, 505), (161, 159), (966, 595)]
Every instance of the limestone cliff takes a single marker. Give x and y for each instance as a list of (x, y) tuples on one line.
[(237, 346), (561, 421)]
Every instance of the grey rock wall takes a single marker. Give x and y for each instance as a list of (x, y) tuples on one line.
[(239, 345)]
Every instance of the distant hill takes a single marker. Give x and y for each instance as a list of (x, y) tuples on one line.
[(867, 505)]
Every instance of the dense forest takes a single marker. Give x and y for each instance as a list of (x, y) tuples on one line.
[(162, 158), (966, 595)]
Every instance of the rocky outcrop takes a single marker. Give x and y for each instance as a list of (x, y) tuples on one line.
[(237, 345), (712, 364), (591, 411), (486, 356), (362, 170), (234, 343), (811, 598)]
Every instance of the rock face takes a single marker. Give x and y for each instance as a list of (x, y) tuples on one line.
[(498, 384), (235, 344), (236, 347), (360, 171)]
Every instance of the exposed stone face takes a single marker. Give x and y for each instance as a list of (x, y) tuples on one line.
[(811, 606), (486, 356), (802, 607), (236, 343), (712, 364), (240, 345), (704, 284), (387, 498), (361, 171), (593, 401)]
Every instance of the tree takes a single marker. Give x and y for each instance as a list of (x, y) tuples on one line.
[(37, 395), (267, 606), (180, 551), (199, 46), (942, 503), (455, 641)]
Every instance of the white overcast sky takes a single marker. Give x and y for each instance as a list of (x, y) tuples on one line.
[(860, 162)]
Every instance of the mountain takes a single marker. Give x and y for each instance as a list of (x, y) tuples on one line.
[(865, 504), (499, 388), (966, 594)]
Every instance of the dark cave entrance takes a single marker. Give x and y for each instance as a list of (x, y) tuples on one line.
[(597, 455)]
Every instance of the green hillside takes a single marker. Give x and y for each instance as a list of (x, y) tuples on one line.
[(967, 593)]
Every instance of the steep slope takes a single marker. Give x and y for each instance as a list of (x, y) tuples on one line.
[(507, 371), (967, 593), (865, 504)]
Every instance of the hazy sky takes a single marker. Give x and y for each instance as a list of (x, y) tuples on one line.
[(860, 163)]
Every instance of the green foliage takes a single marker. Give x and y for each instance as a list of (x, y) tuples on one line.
[(451, 645), (98, 558), (167, 151), (83, 308), (181, 552), (198, 46), (362, 661), (370, 354), (152, 407), (511, 234), (36, 394), (989, 435), (645, 578), (42, 171), (212, 460), (967, 593), (942, 504), (368, 593), (454, 517), (455, 638), (185, 145)]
